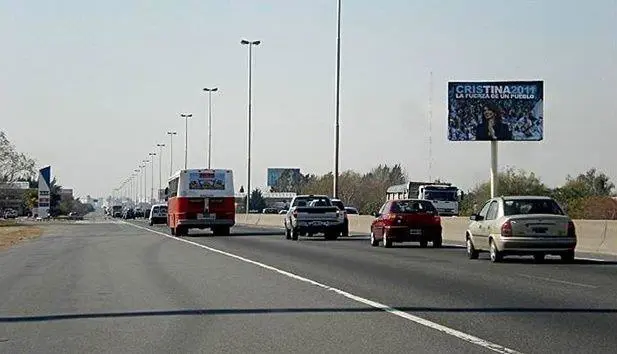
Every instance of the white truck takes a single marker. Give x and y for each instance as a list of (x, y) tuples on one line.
[(444, 196), (313, 214)]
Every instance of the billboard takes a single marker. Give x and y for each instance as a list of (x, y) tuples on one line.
[(275, 174), (496, 110), (44, 191)]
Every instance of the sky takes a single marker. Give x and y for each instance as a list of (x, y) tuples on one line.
[(90, 87)]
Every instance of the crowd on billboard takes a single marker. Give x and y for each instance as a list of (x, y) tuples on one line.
[(484, 112)]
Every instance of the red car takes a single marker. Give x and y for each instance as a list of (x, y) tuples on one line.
[(406, 220)]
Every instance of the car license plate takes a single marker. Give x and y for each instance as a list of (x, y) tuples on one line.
[(415, 232), (317, 223), (206, 216)]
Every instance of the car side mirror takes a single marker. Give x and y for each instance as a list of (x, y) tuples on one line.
[(375, 214), (476, 217)]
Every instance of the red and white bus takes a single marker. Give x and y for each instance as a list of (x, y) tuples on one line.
[(201, 199)]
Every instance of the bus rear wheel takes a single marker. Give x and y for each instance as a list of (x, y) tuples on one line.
[(172, 231), (182, 231)]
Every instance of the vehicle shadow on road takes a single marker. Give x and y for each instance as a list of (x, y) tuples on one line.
[(526, 260), (270, 311), (239, 233), (322, 239), (417, 246)]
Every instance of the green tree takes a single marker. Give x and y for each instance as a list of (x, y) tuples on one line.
[(258, 202), (31, 198), (13, 165), (510, 182), (54, 198), (587, 195)]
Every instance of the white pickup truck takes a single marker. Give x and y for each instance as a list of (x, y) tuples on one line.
[(313, 214)]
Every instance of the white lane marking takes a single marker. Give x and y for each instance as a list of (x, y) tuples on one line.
[(447, 330), (558, 281), (591, 259)]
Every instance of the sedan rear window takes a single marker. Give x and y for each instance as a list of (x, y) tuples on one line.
[(531, 206), (412, 206)]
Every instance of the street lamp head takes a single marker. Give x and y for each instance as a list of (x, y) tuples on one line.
[(160, 145), (245, 42), (211, 89), (186, 115), (152, 154), (172, 133)]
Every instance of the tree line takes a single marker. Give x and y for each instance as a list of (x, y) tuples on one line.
[(18, 167), (588, 195)]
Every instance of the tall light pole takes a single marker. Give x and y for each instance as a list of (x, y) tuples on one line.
[(136, 185), (152, 154), (186, 137), (160, 146), (250, 44), (145, 180), (171, 152), (337, 97), (209, 91)]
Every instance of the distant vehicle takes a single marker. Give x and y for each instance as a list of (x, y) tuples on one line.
[(352, 211), (339, 204), (139, 213), (521, 225), (444, 196), (128, 214), (116, 211), (270, 211), (283, 212), (201, 199), (313, 214), (75, 216), (158, 214), (407, 220), (10, 214)]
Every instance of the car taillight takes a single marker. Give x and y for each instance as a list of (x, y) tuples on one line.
[(506, 229), (571, 229), (437, 219)]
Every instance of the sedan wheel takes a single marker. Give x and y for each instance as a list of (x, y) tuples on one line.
[(496, 256), (472, 253), (374, 242)]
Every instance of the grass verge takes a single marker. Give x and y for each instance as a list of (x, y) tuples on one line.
[(11, 234)]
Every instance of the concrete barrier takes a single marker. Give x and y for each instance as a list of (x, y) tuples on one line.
[(597, 236)]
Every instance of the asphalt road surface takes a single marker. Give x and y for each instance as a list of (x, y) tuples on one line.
[(113, 287)]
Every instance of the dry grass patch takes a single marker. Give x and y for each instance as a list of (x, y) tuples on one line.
[(13, 234)]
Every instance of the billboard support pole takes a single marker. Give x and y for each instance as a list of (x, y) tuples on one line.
[(494, 168)]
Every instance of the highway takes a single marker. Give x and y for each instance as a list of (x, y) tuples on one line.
[(115, 287)]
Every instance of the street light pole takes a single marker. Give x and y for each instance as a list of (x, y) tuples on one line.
[(250, 44), (171, 152), (145, 165), (210, 90), (136, 186), (337, 98), (160, 146), (152, 154), (186, 137)]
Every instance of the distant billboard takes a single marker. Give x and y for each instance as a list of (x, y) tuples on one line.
[(44, 191), (496, 110), (275, 174)]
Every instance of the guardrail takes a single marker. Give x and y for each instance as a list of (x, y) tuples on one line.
[(597, 236)]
